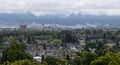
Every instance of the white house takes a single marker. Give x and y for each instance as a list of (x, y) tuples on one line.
[(38, 58)]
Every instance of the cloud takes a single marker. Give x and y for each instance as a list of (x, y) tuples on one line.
[(65, 7)]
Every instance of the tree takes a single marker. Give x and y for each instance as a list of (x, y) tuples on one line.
[(87, 57), (66, 36), (44, 46), (89, 44), (109, 58), (56, 42), (77, 60), (20, 38), (31, 39), (6, 63), (51, 60), (25, 62), (68, 57), (55, 61), (100, 46), (14, 52)]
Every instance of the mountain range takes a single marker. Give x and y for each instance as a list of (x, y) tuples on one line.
[(28, 18)]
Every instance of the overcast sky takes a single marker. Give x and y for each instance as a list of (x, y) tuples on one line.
[(63, 7)]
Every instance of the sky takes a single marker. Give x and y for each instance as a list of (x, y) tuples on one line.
[(61, 7)]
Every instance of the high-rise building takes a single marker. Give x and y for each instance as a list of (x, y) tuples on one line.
[(23, 26)]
